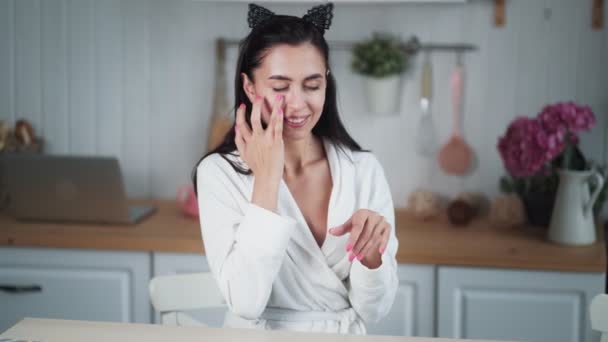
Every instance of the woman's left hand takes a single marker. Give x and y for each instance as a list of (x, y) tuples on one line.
[(369, 234)]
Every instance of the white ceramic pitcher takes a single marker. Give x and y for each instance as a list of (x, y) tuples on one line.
[(572, 221)]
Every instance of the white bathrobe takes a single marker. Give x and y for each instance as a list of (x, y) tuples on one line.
[(268, 266)]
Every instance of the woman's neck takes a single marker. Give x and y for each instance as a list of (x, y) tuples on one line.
[(300, 153)]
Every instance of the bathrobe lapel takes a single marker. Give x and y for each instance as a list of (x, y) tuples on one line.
[(328, 262)]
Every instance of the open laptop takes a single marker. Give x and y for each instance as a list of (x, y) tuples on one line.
[(68, 188)]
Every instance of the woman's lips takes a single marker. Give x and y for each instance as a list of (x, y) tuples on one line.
[(297, 122)]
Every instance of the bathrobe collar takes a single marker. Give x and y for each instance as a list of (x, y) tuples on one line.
[(341, 202)]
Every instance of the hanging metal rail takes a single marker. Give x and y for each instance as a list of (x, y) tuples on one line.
[(412, 46)]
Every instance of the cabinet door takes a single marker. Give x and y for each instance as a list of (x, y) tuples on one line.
[(536, 306), (178, 263), (74, 284), (412, 313)]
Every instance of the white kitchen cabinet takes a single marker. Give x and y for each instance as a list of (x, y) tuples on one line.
[(413, 312), (456, 302), (74, 284), (535, 306)]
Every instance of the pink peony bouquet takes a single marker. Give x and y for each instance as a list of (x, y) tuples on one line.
[(531, 144), (532, 149)]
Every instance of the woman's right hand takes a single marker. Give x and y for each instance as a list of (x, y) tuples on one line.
[(261, 149)]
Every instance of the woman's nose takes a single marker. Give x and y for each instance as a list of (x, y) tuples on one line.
[(295, 100)]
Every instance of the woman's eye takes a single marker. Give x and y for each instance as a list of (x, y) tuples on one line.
[(307, 88)]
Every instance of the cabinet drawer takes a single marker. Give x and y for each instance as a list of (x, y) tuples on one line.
[(70, 284), (538, 306)]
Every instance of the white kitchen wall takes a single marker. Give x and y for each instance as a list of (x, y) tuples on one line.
[(133, 79)]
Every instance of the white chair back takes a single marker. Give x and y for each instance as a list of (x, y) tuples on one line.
[(599, 315), (173, 294)]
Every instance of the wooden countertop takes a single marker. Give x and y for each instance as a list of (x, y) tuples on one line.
[(433, 242), (482, 245), (165, 231)]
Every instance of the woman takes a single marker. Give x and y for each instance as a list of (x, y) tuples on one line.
[(287, 173)]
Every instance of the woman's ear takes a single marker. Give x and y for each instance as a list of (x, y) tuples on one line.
[(248, 87)]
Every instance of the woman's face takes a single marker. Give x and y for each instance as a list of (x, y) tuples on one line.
[(298, 73)]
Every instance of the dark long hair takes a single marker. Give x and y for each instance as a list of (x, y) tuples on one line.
[(282, 29)]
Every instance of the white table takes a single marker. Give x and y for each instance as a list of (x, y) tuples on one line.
[(52, 330)]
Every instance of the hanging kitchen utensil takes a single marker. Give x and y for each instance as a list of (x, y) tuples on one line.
[(455, 157), (221, 120), (597, 14), (499, 13), (426, 140)]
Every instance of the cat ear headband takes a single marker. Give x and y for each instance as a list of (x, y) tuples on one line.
[(320, 16)]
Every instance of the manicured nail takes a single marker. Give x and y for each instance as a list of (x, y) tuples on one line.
[(381, 250), (258, 98), (242, 105), (351, 257), (349, 247), (360, 257), (279, 97)]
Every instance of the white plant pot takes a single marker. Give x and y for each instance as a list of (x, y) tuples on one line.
[(383, 94)]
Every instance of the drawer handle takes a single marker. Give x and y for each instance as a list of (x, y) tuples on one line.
[(20, 288)]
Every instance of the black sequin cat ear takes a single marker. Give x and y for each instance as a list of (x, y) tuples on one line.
[(320, 16), (257, 15)]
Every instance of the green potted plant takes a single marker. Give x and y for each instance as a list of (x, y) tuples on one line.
[(381, 60)]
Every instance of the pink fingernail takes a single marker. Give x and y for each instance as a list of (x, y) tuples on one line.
[(242, 105), (351, 257), (279, 97), (381, 250), (360, 257), (258, 98), (349, 247)]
